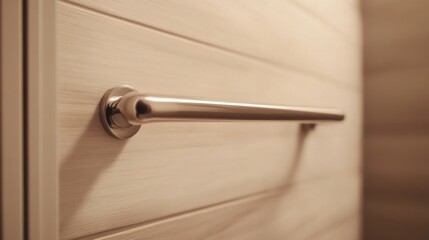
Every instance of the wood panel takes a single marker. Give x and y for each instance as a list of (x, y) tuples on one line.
[(397, 101), (396, 35), (169, 168), (42, 180), (345, 229), (397, 164), (276, 31), (397, 186), (308, 210), (11, 121), (339, 15), (402, 218), (396, 119)]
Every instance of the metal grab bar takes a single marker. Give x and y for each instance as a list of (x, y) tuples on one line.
[(123, 110)]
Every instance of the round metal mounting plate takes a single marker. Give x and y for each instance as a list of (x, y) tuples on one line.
[(106, 109)]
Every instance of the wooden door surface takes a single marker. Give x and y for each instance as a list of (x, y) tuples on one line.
[(209, 180)]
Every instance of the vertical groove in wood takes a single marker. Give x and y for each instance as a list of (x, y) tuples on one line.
[(42, 128)]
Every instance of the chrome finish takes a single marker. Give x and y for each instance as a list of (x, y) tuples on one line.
[(123, 110), (110, 115)]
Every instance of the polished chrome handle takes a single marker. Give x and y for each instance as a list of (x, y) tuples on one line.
[(123, 110)]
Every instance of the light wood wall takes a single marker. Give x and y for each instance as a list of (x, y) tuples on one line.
[(396, 57), (210, 180)]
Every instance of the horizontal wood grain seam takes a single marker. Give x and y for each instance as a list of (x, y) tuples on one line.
[(283, 67), (232, 202), (335, 224), (327, 23), (266, 194)]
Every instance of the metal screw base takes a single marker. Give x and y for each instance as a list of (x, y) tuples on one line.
[(106, 109)]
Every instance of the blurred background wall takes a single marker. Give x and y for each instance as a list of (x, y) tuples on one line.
[(396, 146)]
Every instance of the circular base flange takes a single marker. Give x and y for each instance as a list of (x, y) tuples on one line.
[(106, 109)]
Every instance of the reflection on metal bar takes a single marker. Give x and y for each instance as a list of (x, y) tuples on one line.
[(123, 110)]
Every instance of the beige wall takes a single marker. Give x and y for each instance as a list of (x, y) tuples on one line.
[(396, 57), (210, 180)]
